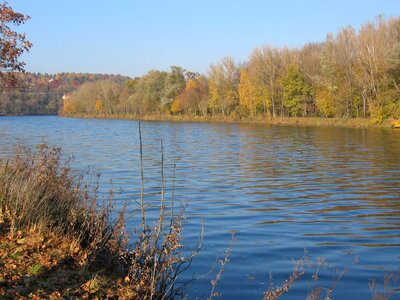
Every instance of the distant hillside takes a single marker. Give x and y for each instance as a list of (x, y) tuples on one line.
[(42, 93)]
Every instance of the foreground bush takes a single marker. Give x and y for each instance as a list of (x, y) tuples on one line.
[(59, 240)]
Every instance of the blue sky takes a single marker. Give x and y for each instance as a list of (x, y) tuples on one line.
[(131, 37)]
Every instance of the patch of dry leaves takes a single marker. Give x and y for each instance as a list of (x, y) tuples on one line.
[(39, 265)]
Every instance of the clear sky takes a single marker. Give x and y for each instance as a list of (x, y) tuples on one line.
[(131, 37)]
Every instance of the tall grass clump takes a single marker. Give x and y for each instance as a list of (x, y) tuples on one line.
[(40, 193), (38, 190)]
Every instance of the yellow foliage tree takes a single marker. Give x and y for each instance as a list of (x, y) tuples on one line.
[(98, 106), (176, 106), (68, 106), (223, 86), (325, 103), (245, 92), (191, 85), (213, 102), (251, 95)]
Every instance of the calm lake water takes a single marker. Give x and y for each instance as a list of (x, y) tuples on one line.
[(332, 191)]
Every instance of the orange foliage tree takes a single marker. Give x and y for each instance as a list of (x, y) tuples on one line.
[(193, 98), (12, 45), (176, 106)]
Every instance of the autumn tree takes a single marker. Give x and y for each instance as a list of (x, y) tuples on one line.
[(309, 60), (327, 83), (154, 92), (202, 95), (297, 93), (174, 84), (377, 46), (345, 43), (325, 102), (194, 99), (12, 45), (223, 84), (392, 93), (108, 96), (251, 95), (93, 98), (148, 93), (266, 65), (246, 92)]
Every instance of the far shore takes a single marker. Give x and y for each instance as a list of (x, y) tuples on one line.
[(296, 121)]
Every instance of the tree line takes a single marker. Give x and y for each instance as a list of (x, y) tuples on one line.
[(352, 74), (37, 93)]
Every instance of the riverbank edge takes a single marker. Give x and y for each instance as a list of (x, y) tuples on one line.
[(59, 240), (274, 121)]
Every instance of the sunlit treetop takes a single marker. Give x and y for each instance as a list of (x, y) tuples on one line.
[(12, 45)]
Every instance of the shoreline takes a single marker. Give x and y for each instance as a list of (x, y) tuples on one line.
[(269, 121), (59, 240)]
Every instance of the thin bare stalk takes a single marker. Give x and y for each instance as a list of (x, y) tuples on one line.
[(223, 262), (160, 224), (142, 180), (173, 194), (388, 290), (159, 230), (274, 293), (334, 284)]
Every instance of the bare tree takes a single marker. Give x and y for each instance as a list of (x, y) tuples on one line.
[(266, 63)]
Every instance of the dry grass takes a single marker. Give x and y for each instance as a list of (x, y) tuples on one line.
[(222, 263), (386, 290), (295, 121), (47, 212), (276, 292), (318, 292)]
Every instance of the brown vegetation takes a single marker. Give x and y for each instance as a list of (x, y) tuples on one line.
[(297, 121), (58, 239), (12, 45)]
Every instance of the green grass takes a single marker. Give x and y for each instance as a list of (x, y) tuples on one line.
[(36, 269)]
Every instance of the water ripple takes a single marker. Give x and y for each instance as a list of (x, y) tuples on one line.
[(334, 191)]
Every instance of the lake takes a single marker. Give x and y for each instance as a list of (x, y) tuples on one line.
[(283, 190)]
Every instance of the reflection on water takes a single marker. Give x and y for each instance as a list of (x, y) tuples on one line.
[(333, 191)]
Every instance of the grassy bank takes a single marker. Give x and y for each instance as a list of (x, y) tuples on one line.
[(58, 240), (297, 121)]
